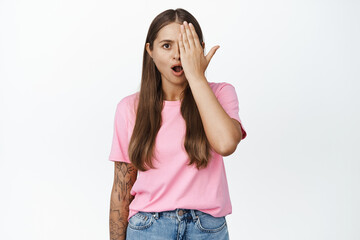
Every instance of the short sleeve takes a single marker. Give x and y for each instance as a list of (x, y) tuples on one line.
[(119, 147), (227, 98)]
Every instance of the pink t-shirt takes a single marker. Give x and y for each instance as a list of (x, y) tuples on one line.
[(174, 184)]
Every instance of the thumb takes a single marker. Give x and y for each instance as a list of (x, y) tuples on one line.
[(211, 53)]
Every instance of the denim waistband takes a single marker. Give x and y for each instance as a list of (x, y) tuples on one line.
[(179, 213)]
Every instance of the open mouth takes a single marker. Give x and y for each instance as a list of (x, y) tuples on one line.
[(177, 68)]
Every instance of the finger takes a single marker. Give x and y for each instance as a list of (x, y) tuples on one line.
[(184, 38), (181, 44), (189, 35), (211, 53), (195, 36)]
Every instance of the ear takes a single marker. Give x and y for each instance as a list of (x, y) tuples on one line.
[(148, 49), (203, 44)]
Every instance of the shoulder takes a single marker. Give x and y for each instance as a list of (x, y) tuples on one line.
[(221, 87), (129, 98), (126, 105)]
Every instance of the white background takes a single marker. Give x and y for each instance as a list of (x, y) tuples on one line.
[(64, 65)]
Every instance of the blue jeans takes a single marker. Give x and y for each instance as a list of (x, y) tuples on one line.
[(179, 224)]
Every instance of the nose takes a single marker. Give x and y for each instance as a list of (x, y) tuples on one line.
[(177, 52)]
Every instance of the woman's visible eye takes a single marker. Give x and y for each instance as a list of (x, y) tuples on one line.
[(166, 44)]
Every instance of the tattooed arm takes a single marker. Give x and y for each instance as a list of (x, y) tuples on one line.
[(124, 177)]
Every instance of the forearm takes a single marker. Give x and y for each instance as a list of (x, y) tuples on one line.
[(125, 175), (119, 212), (220, 129)]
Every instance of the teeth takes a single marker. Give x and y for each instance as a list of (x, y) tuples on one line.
[(177, 68)]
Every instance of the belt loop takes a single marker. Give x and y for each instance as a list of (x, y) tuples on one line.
[(193, 214), (177, 214)]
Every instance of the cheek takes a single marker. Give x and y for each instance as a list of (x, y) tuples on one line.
[(161, 62)]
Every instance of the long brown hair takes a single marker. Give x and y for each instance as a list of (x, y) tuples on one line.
[(150, 105)]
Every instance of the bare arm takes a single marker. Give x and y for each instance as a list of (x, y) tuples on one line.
[(124, 178), (223, 132)]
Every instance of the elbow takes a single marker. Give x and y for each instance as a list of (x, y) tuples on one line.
[(228, 149), (228, 146)]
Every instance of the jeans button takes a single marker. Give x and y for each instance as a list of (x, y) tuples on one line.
[(180, 212)]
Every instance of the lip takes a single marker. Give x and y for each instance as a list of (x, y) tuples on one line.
[(178, 64), (178, 74)]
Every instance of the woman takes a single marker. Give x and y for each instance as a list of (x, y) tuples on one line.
[(169, 139)]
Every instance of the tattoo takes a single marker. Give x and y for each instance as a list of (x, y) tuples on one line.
[(117, 230), (123, 183), (124, 178)]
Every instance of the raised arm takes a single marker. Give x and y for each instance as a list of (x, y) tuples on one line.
[(124, 178)]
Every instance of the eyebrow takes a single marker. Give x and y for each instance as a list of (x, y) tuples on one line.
[(166, 40)]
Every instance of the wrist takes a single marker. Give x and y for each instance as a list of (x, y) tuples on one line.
[(197, 78)]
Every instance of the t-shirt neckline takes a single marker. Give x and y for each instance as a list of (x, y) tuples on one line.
[(172, 103)]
